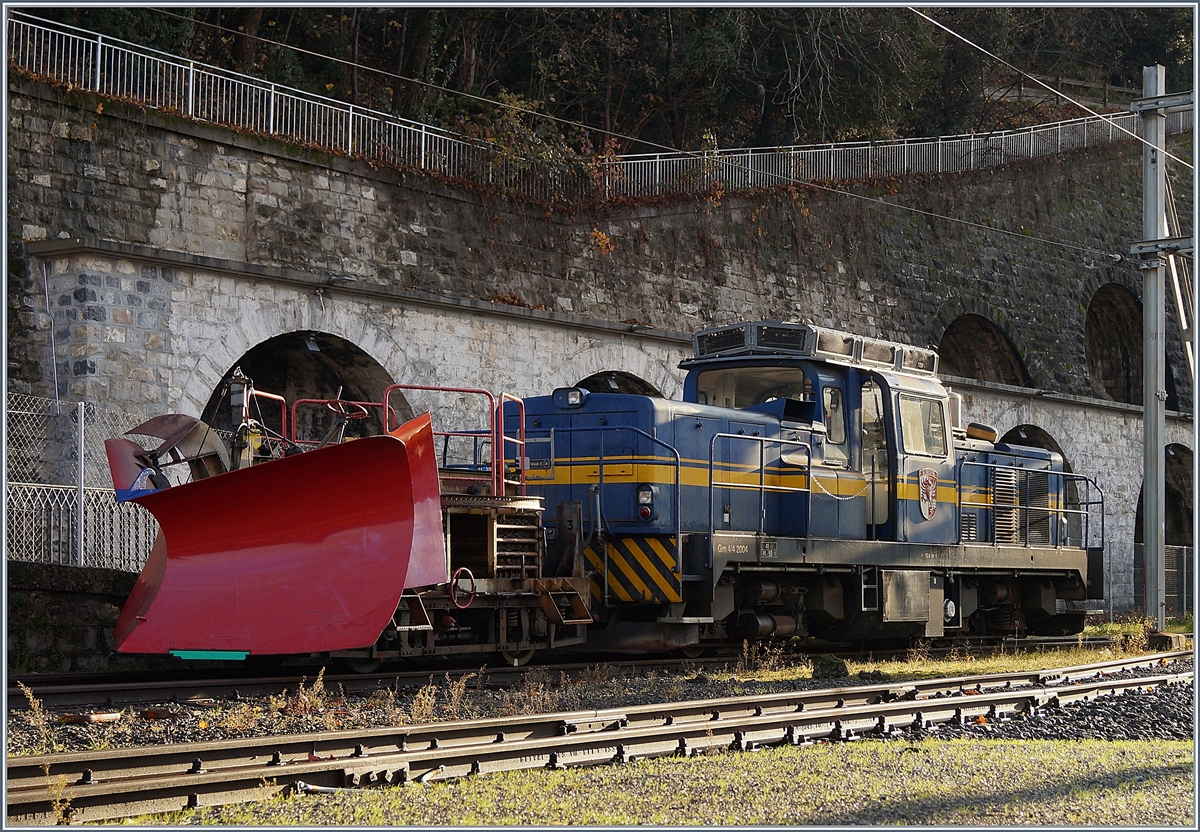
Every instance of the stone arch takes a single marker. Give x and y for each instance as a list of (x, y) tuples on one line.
[(618, 381), (598, 359), (972, 346), (229, 324), (1113, 346), (1036, 437), (1112, 341), (1180, 498), (306, 365)]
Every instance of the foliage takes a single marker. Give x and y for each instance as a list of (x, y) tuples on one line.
[(664, 77)]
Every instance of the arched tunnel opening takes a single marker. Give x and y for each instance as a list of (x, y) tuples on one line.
[(974, 347), (1113, 347), (1177, 533), (307, 365), (616, 381)]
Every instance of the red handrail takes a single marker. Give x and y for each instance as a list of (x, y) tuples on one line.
[(497, 471), (519, 441)]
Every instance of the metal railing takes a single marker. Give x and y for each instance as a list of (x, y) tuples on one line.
[(1032, 507), (122, 70), (758, 473), (58, 473), (44, 527)]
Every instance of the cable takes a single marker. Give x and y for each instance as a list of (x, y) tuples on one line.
[(1038, 81), (782, 180)]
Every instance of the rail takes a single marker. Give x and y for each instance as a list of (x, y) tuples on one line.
[(119, 69), (51, 524), (119, 782), (522, 460), (1025, 533)]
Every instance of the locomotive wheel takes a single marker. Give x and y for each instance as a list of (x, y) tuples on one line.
[(517, 658), (693, 651), (362, 665)]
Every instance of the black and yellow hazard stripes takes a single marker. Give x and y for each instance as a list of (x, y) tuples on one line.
[(643, 569)]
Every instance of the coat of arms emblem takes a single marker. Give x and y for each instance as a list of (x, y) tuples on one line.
[(927, 485)]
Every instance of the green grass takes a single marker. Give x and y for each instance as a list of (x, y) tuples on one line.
[(1137, 625), (931, 782), (779, 666)]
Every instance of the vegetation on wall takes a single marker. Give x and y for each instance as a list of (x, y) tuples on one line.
[(672, 76)]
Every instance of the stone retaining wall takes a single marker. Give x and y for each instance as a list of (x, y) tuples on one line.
[(60, 618)]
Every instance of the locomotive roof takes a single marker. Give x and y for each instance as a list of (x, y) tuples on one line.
[(776, 338)]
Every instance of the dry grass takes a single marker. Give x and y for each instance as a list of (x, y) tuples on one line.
[(40, 721)]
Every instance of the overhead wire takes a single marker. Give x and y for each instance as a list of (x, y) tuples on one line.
[(1039, 81), (781, 179)]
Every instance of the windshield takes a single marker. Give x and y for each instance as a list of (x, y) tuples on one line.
[(744, 386)]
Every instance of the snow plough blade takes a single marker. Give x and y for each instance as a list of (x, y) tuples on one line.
[(309, 553)]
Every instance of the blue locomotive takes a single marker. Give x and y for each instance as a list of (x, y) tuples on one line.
[(811, 482)]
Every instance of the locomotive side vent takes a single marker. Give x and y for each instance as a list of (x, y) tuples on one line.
[(1038, 490), (1006, 496), (970, 527), (718, 341), (787, 339)]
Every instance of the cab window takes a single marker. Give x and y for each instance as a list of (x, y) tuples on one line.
[(922, 426), (835, 417)]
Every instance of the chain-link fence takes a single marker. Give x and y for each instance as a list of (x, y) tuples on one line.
[(58, 474)]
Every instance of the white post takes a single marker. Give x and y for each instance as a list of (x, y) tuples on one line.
[(79, 411), (271, 125), (99, 52)]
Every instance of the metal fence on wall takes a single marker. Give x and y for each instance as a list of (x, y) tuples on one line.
[(126, 71), (59, 510)]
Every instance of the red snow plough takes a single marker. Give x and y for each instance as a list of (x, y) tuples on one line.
[(281, 546)]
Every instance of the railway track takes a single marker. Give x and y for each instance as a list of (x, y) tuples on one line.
[(117, 690), (114, 783)]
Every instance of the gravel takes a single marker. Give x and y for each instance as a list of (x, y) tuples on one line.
[(1165, 713)]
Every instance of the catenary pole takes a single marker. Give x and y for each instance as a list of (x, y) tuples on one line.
[(1154, 389)]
